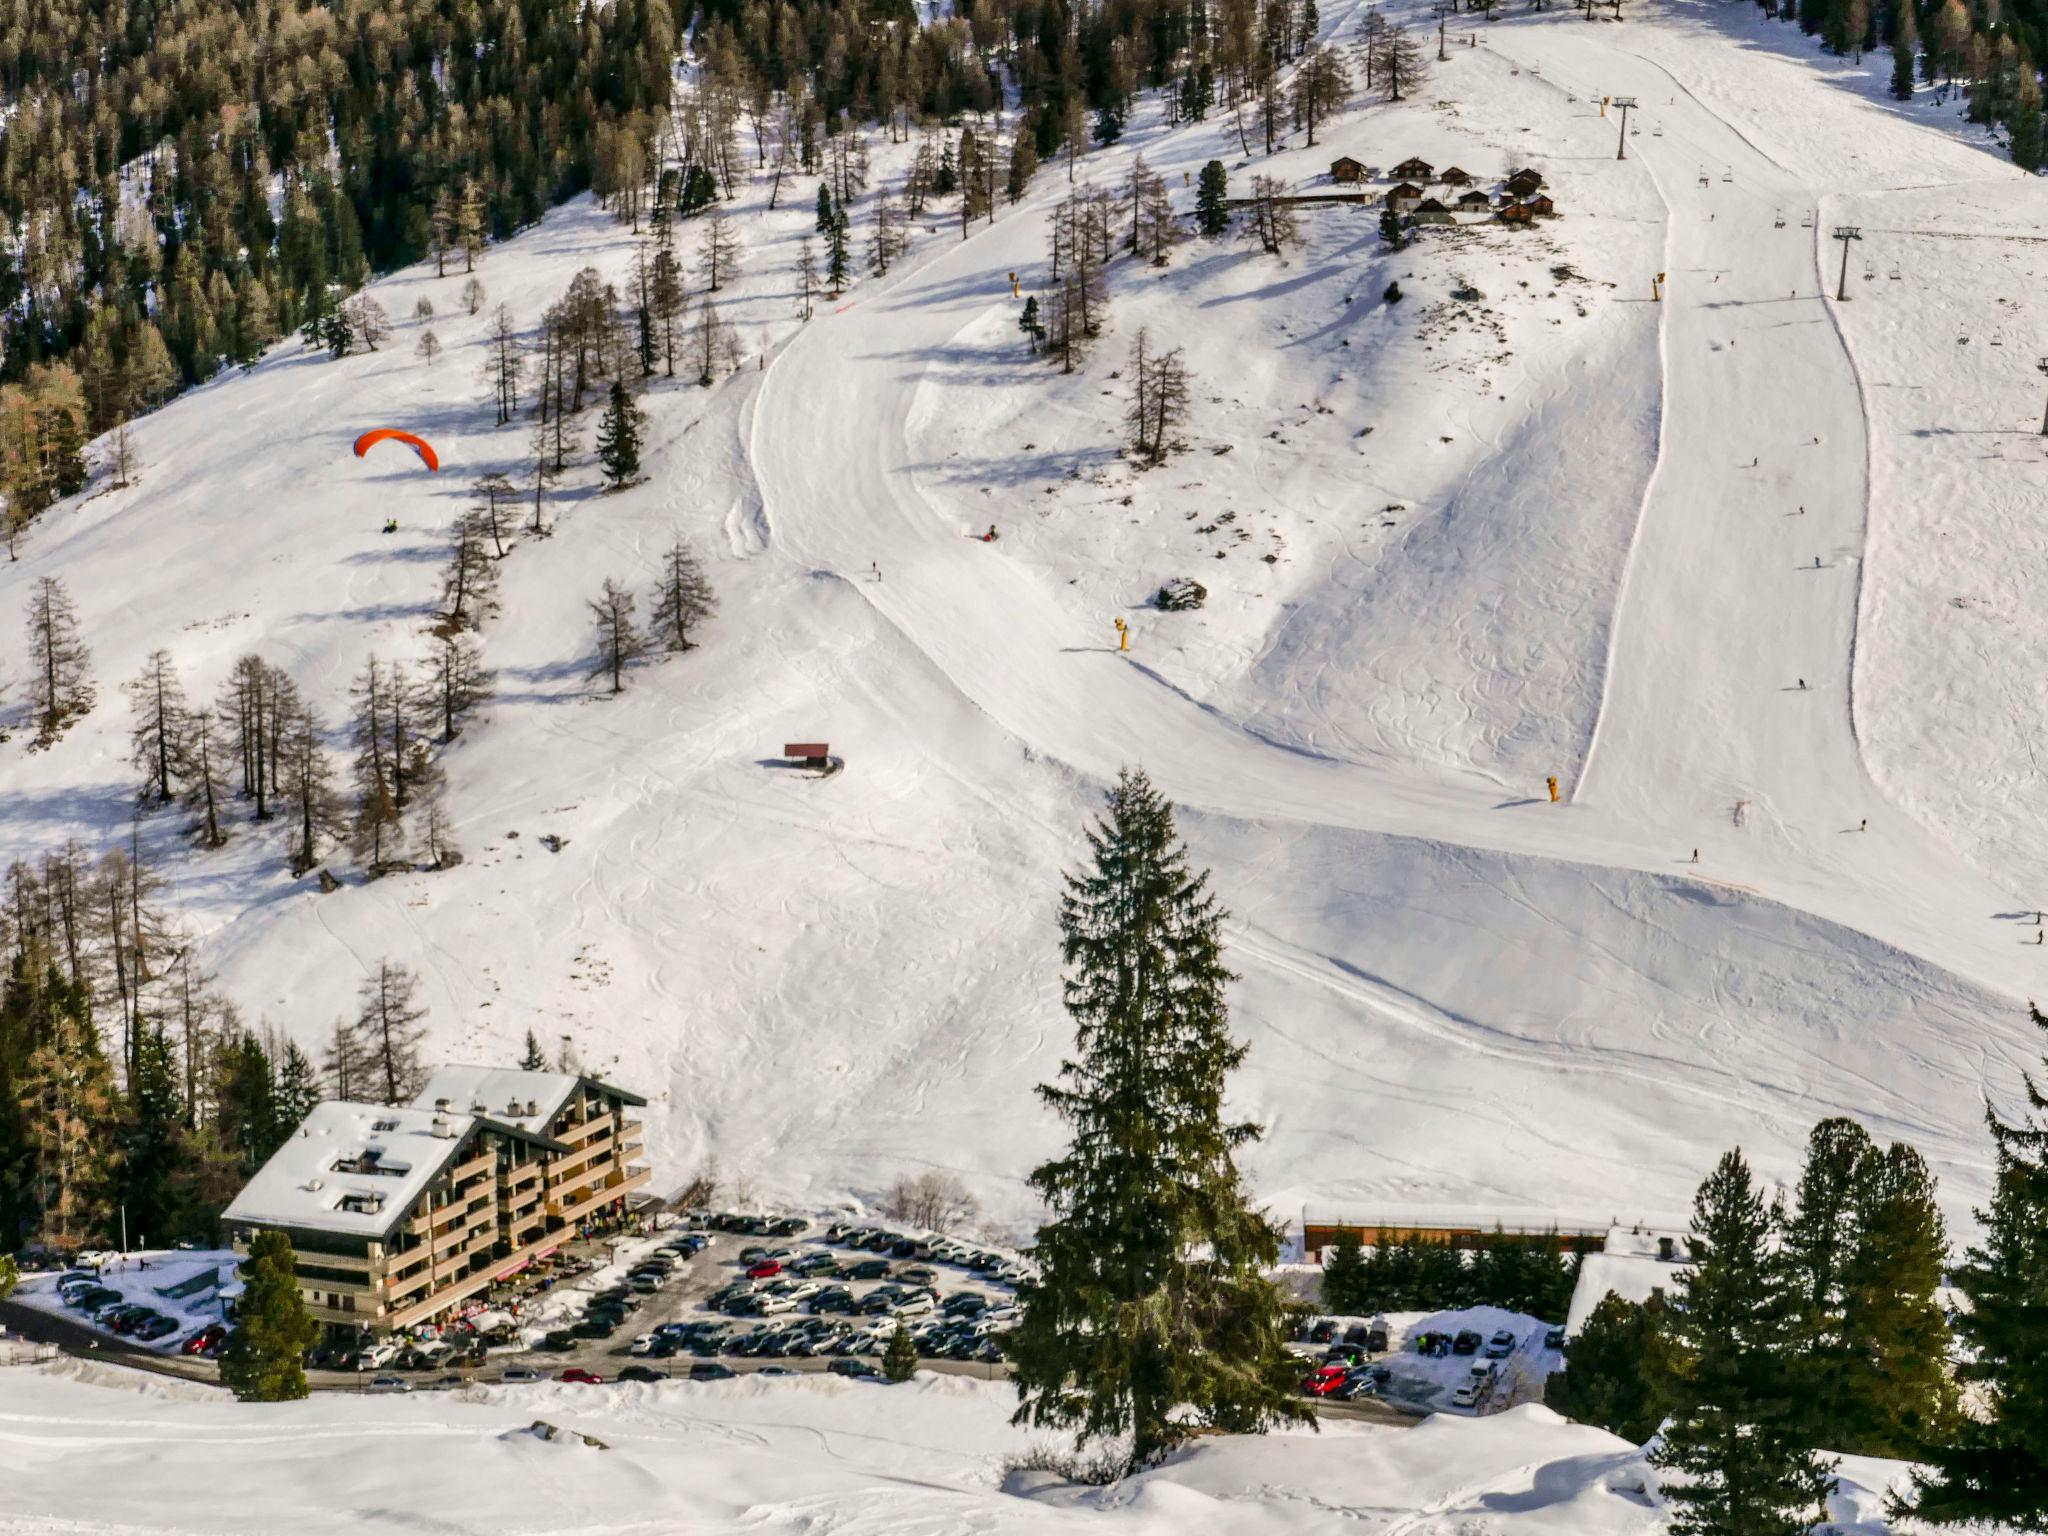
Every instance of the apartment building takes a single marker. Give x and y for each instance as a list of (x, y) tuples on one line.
[(400, 1215)]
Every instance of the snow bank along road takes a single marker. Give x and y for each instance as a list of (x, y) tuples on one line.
[(1705, 737)]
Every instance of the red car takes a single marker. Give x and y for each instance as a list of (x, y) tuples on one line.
[(767, 1269), (205, 1341), (1326, 1380), (577, 1376)]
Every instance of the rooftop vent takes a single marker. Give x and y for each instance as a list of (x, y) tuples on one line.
[(313, 1185), (533, 1106), (442, 1128), (442, 1105), (512, 1108), (478, 1108)]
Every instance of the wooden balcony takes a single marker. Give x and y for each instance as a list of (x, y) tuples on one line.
[(574, 1203)]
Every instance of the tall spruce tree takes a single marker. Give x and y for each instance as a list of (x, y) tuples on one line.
[(1344, 1277), (1150, 1298), (533, 1058), (298, 1088), (618, 436), (1212, 212), (1994, 1468), (1619, 1368), (1736, 1438), (261, 1363), (1899, 1397), (1818, 1238), (157, 1161)]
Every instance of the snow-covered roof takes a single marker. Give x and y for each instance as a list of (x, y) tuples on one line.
[(354, 1168), (528, 1100), (1632, 1266)]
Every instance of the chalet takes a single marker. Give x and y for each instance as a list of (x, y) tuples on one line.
[(1454, 177), (1413, 170), (1403, 196), (1346, 169), (400, 1215), (1521, 183), (1540, 204), (1514, 213), (1430, 211), (1474, 201)]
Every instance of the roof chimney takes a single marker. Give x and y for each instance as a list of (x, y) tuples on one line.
[(442, 1128), (442, 1105)]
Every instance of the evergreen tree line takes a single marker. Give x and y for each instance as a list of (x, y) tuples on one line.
[(142, 147), (1991, 52), (131, 1095), (1523, 1273), (1816, 1327)]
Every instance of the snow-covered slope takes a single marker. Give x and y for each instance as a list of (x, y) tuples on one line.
[(1569, 544), (762, 1455)]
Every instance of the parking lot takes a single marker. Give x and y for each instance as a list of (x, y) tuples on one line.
[(788, 1309)]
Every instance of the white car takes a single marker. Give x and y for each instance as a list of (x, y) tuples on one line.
[(803, 1290), (641, 1345), (1466, 1396), (770, 1305), (915, 1305), (378, 1355), (388, 1384)]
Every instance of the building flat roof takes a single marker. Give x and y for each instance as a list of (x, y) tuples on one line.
[(527, 1100), (351, 1168)]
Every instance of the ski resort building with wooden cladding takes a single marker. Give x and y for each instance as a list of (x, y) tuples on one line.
[(397, 1215)]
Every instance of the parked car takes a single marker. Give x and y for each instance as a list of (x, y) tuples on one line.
[(1322, 1331), (558, 1341), (834, 1298), (642, 1373), (1324, 1380), (1500, 1346), (711, 1370), (515, 1374), (1376, 1336), (1360, 1382), (765, 1269), (595, 1328), (788, 1226), (388, 1384), (965, 1304), (156, 1328), (1466, 1342), (208, 1337), (816, 1263), (577, 1376), (1553, 1338), (769, 1306), (1466, 1396), (867, 1269), (859, 1370)]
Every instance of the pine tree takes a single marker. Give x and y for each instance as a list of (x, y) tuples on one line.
[(60, 667), (469, 582), (343, 1061), (1212, 215), (838, 265), (1619, 1368), (64, 1098), (245, 1100), (307, 783), (1994, 1468), (666, 296), (388, 1016), (459, 682), (261, 1363), (1150, 1296), (683, 601), (162, 718), (718, 252), (298, 1088), (618, 436), (806, 275), (1344, 1277), (1905, 44), (826, 217), (156, 1159), (1817, 1240), (899, 1361), (533, 1058), (618, 642), (1899, 1397), (1736, 1436)]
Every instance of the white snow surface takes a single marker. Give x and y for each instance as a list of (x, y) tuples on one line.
[(99, 1452), (1460, 998)]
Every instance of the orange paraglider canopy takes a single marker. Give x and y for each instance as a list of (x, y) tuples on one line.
[(419, 445)]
